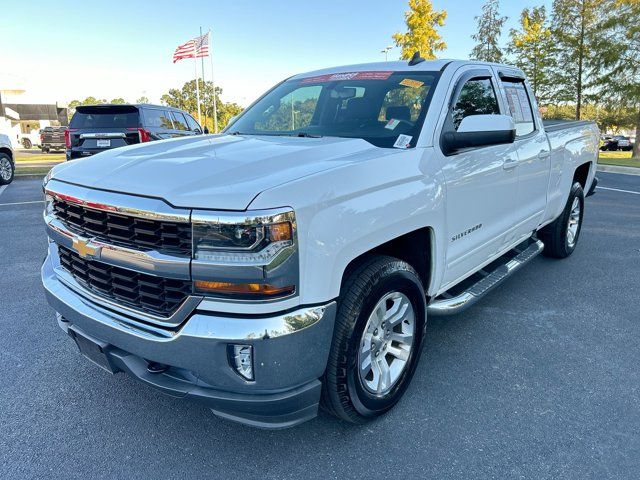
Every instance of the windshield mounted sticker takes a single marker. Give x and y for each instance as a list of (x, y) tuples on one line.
[(392, 123), (403, 141), (334, 77), (410, 82)]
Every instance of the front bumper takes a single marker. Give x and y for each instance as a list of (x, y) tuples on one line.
[(290, 352)]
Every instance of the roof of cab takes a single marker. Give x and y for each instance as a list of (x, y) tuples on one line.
[(399, 66)]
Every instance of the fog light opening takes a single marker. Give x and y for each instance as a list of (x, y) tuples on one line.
[(241, 357)]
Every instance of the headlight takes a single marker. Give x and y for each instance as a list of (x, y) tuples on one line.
[(250, 256)]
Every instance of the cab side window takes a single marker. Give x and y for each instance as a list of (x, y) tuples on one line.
[(477, 97), (179, 122), (519, 106), (193, 125)]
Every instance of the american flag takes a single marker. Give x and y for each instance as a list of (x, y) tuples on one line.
[(202, 45), (196, 48)]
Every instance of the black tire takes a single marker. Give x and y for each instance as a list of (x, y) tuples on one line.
[(26, 143), (343, 393), (555, 235), (6, 158)]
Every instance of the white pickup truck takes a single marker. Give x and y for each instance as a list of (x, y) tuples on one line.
[(294, 260)]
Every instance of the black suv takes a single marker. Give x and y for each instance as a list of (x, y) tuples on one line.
[(95, 128)]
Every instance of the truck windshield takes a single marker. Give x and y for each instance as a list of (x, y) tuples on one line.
[(384, 108)]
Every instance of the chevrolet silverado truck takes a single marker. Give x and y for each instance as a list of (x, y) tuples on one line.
[(292, 261)]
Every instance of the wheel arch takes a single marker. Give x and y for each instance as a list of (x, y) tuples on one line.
[(406, 248), (8, 152)]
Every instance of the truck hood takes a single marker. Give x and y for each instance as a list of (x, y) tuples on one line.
[(223, 172)]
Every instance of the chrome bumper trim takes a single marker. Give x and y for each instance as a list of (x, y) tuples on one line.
[(204, 326), (149, 262)]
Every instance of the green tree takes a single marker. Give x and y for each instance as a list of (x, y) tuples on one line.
[(575, 29), (71, 108), (487, 36), (185, 98), (118, 101), (618, 65), (532, 48), (422, 35), (142, 99)]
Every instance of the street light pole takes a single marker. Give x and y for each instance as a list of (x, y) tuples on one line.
[(386, 52)]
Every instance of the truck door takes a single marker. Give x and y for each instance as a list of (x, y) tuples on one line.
[(480, 182), (534, 159)]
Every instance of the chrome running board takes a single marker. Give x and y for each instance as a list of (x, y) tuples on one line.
[(452, 305)]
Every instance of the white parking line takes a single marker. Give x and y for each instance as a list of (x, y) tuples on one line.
[(617, 190), (20, 203)]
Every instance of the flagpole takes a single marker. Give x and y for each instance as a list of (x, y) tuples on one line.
[(204, 86), (215, 102), (195, 69)]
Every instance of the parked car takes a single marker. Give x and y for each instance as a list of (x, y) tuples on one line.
[(96, 128), (7, 161), (52, 139), (294, 259), (29, 140), (617, 142)]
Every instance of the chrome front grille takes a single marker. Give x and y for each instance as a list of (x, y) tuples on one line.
[(173, 238), (148, 293)]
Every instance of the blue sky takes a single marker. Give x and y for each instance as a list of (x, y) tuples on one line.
[(59, 51)]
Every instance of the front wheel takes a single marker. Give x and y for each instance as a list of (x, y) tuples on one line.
[(561, 236), (7, 169), (26, 143), (377, 339)]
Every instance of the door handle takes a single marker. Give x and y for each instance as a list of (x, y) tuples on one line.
[(543, 155), (510, 163)]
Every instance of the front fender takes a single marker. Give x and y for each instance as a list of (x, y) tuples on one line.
[(347, 211)]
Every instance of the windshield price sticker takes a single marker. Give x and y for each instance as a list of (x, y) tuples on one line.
[(403, 141), (335, 77), (410, 82), (392, 123)]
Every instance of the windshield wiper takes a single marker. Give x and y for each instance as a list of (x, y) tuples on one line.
[(307, 135)]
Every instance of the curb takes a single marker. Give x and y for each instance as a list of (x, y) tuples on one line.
[(28, 176), (618, 169)]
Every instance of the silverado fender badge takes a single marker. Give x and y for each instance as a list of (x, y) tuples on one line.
[(466, 232)]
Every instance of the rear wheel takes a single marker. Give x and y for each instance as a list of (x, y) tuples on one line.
[(561, 237), (7, 170), (26, 143), (377, 339)]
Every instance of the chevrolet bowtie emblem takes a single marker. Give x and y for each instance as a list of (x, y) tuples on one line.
[(83, 248)]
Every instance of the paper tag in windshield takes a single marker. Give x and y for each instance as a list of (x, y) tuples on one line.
[(392, 123), (410, 82), (403, 141)]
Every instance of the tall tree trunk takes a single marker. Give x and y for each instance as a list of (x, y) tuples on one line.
[(636, 145)]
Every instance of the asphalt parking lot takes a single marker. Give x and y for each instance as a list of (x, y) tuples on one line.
[(539, 380)]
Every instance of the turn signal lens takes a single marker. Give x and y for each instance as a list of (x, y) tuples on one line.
[(280, 232), (246, 289)]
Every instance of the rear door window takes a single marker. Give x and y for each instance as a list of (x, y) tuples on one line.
[(519, 107), (156, 118), (179, 122)]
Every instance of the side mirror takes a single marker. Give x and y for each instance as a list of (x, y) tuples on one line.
[(206, 131), (480, 131)]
